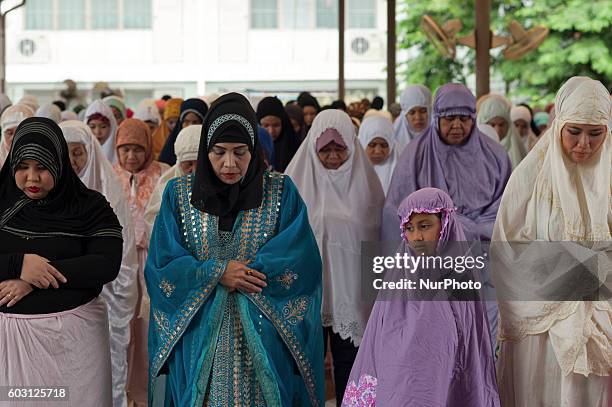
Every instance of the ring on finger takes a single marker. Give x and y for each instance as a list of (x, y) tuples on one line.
[(249, 272)]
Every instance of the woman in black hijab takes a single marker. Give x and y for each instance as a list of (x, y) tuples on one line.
[(193, 111), (272, 116), (59, 244), (310, 106), (296, 116), (234, 277)]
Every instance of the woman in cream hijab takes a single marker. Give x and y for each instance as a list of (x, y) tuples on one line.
[(521, 120), (344, 200), (494, 110), (9, 121), (96, 172), (556, 347), (186, 147)]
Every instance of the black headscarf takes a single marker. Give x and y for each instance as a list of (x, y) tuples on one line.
[(231, 119), (287, 143), (193, 105), (377, 103), (306, 99), (70, 209), (295, 112), (339, 104)]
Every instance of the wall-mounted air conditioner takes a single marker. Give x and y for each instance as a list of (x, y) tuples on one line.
[(365, 46), (28, 49)]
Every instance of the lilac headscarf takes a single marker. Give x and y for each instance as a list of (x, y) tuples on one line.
[(433, 200), (425, 353), (473, 174)]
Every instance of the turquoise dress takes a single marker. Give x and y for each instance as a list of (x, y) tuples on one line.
[(221, 348)]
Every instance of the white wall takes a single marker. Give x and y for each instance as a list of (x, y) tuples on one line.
[(191, 43)]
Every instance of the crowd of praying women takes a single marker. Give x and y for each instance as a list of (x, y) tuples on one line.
[(193, 252)]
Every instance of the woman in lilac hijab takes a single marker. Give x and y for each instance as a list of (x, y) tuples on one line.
[(454, 156), (418, 352)]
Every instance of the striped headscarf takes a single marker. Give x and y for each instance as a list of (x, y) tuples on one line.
[(70, 209)]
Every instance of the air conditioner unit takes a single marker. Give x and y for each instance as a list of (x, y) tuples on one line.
[(29, 49), (365, 46)]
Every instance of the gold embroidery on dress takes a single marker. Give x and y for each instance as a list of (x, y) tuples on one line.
[(295, 309), (167, 287), (287, 279), (161, 321)]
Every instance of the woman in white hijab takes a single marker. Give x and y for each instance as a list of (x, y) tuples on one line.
[(494, 110), (9, 121), (557, 212), (377, 139), (186, 147), (96, 172), (344, 200), (521, 120), (101, 120), (50, 111), (416, 113), (148, 112)]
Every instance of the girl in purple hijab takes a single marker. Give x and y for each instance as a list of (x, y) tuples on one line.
[(454, 156), (425, 353)]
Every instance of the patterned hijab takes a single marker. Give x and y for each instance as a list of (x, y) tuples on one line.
[(231, 119), (70, 209)]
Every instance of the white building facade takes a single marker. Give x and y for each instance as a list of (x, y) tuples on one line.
[(187, 48)]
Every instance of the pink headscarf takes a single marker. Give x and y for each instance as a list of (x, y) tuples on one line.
[(327, 137)]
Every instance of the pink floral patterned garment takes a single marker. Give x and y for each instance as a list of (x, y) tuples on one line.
[(138, 189), (362, 394)]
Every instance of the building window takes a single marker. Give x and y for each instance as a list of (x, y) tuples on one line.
[(137, 14), (264, 14), (88, 14), (311, 14), (104, 15), (39, 15), (361, 13), (71, 14), (327, 13), (297, 14)]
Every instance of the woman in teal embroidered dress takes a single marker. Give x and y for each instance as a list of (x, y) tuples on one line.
[(234, 276)]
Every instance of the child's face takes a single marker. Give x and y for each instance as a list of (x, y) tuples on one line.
[(422, 232)]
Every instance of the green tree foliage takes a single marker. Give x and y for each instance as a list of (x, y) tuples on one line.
[(579, 43)]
